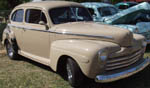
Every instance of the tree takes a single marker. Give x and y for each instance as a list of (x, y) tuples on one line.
[(10, 4), (7, 5)]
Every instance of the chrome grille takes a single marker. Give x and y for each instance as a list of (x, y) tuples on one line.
[(116, 63)]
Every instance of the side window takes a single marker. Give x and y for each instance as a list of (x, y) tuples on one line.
[(18, 16), (35, 16), (91, 11)]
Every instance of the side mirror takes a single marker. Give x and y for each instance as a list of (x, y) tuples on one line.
[(43, 23)]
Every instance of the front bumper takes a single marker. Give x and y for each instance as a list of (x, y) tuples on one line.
[(123, 74)]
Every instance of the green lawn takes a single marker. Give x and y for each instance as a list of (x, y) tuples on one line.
[(29, 74)]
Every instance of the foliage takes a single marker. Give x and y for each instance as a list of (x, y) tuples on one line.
[(10, 4), (7, 5)]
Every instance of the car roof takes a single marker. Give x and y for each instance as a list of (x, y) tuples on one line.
[(49, 4), (96, 4)]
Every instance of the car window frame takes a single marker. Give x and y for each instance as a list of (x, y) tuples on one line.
[(34, 9), (49, 24), (13, 12)]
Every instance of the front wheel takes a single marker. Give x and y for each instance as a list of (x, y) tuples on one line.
[(74, 73), (11, 51)]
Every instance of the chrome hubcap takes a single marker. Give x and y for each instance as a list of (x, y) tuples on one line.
[(69, 73), (10, 50)]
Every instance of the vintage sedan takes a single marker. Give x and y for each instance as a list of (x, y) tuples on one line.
[(130, 19), (62, 35)]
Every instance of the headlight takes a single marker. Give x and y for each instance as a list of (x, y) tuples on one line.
[(102, 55)]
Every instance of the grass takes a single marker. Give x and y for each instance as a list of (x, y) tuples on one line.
[(25, 73), (28, 74)]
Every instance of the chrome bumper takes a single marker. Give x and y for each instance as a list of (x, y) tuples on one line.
[(148, 41), (124, 74)]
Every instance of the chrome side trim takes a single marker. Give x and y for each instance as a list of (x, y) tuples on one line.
[(64, 33), (124, 74), (97, 36)]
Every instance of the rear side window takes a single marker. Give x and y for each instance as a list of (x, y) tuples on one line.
[(35, 16), (18, 15)]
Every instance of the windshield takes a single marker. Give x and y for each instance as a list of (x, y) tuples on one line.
[(107, 11), (69, 14)]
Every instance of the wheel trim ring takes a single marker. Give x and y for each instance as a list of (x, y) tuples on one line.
[(69, 73), (10, 50)]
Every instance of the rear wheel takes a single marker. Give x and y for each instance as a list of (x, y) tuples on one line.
[(74, 74), (11, 51)]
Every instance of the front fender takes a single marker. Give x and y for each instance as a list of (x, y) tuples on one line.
[(84, 52), (7, 34)]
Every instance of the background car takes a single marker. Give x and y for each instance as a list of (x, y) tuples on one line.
[(143, 16), (125, 5), (128, 19)]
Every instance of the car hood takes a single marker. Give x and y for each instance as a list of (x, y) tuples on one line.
[(128, 15), (91, 30)]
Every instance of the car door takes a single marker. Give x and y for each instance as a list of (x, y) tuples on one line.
[(35, 36), (16, 23)]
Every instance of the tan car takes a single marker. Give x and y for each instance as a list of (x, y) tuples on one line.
[(62, 35)]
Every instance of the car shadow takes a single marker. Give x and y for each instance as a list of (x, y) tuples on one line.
[(21, 58), (139, 80)]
